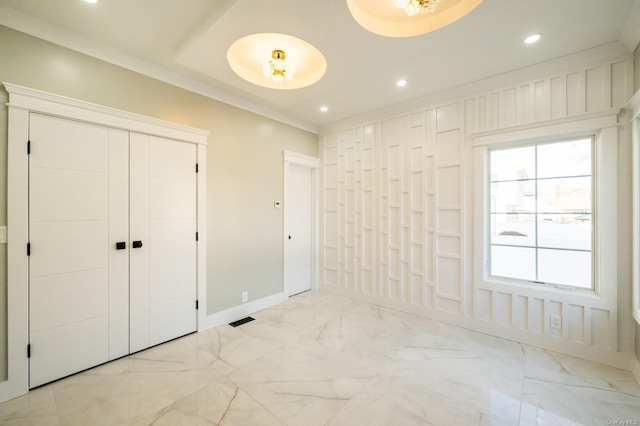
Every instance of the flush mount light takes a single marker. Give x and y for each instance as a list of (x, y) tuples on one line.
[(91, 1), (389, 17), (324, 109), (401, 83), (281, 55), (413, 7), (278, 68), (532, 38)]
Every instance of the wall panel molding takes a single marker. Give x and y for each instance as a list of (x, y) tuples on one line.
[(416, 252)]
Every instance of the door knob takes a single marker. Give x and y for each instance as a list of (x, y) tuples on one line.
[(137, 244)]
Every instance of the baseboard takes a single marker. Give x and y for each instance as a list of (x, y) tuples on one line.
[(241, 311)]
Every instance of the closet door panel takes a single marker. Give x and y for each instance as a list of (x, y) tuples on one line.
[(70, 348), (48, 302), (59, 195), (118, 232), (139, 231), (172, 220), (69, 257), (65, 247)]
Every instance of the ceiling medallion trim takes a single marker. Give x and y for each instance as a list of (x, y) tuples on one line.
[(383, 17), (248, 58)]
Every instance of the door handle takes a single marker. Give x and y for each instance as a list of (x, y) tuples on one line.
[(289, 236), (121, 245), (137, 244)]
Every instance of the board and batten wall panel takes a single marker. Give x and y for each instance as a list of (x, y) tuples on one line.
[(398, 212)]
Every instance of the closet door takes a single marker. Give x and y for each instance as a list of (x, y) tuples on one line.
[(163, 220), (172, 234), (69, 247)]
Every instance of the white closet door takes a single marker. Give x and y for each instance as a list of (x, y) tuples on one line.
[(172, 239), (163, 219), (68, 266), (118, 232), (139, 231)]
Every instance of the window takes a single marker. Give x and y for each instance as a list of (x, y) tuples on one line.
[(540, 204)]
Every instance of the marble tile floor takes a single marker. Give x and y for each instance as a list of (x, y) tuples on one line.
[(322, 359)]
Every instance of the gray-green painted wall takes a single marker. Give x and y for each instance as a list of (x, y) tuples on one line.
[(244, 162)]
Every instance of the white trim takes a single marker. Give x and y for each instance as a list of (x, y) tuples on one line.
[(240, 311), (62, 106), (23, 101), (566, 127), (313, 163), (201, 260), (634, 106)]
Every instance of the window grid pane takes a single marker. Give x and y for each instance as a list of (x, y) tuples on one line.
[(544, 209)]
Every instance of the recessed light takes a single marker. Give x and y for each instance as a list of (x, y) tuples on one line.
[(91, 1), (324, 109), (401, 83), (532, 38)]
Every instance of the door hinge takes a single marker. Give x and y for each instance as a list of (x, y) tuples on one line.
[(28, 147), (196, 167), (196, 236), (28, 249), (29, 351), (196, 305)]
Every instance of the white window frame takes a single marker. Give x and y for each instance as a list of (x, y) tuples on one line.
[(603, 127), (514, 145)]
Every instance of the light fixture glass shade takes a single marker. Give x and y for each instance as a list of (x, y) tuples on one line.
[(389, 17), (278, 68)]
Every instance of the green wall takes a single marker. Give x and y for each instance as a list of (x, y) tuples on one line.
[(244, 162)]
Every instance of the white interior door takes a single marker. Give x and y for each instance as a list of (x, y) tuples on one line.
[(139, 231), (163, 221), (298, 204), (69, 241), (172, 237)]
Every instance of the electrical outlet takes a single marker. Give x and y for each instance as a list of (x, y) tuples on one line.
[(556, 322), (245, 296)]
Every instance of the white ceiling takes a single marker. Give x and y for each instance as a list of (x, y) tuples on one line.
[(185, 43)]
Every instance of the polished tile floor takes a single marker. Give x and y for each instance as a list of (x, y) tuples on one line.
[(322, 359)]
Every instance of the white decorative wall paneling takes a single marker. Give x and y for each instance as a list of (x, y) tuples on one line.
[(398, 198)]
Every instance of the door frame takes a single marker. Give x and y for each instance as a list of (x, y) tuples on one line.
[(313, 163), (22, 102)]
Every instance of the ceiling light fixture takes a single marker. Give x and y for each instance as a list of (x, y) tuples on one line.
[(401, 83), (413, 7), (91, 1), (278, 68), (389, 17), (324, 109), (246, 57), (532, 38)]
